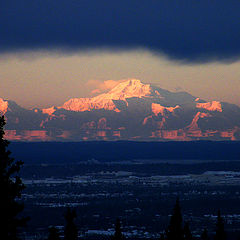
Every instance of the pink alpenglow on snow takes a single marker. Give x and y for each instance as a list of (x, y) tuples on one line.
[(210, 106), (88, 104), (157, 108), (128, 89), (123, 90), (194, 123), (49, 111), (3, 106), (129, 110)]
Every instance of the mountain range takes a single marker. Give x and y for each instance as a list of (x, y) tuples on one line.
[(131, 110)]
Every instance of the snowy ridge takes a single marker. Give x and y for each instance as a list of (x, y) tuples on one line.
[(49, 111), (210, 106), (157, 108), (3, 106), (88, 104), (130, 110), (124, 90)]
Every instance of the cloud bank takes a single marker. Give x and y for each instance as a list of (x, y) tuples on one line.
[(187, 30), (100, 87)]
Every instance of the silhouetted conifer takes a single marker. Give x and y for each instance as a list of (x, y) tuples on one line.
[(70, 231), (174, 230), (162, 236), (204, 235), (11, 187), (186, 232), (53, 234), (220, 232), (118, 232)]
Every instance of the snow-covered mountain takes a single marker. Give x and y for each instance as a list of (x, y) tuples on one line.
[(128, 89), (131, 110)]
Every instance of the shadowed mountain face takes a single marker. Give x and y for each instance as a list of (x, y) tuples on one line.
[(130, 111)]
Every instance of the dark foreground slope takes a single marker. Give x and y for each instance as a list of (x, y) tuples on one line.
[(137, 182)]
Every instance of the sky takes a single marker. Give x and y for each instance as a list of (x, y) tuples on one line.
[(53, 50)]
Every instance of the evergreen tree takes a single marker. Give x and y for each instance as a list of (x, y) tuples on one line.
[(53, 234), (11, 188), (186, 232), (174, 230), (162, 236), (70, 231), (118, 232), (204, 235), (220, 232)]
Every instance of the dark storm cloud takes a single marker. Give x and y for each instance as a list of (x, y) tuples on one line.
[(200, 30)]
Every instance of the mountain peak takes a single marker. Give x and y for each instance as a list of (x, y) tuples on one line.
[(128, 111), (128, 89)]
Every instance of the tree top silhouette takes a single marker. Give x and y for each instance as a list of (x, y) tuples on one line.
[(11, 189)]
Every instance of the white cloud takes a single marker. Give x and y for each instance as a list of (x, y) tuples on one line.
[(98, 86)]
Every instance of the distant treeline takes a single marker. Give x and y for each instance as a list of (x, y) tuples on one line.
[(73, 152)]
